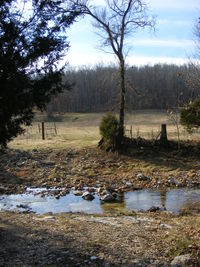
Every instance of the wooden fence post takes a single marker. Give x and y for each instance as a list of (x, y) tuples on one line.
[(55, 129), (131, 131), (163, 134), (43, 134)]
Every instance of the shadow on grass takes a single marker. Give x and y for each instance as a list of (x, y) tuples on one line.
[(169, 156), (34, 243), (37, 246)]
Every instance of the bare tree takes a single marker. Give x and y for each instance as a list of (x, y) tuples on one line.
[(116, 21), (193, 78)]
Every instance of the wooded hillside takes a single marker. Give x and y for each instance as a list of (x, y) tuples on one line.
[(148, 87)]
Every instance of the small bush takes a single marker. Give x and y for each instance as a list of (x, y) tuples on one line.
[(109, 129), (190, 115)]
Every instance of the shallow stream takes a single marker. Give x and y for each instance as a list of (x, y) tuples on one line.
[(39, 200)]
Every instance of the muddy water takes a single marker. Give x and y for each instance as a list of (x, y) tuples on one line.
[(40, 201)]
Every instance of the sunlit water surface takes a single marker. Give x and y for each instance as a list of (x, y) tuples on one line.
[(172, 200)]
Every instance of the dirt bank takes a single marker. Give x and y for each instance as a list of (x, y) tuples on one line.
[(93, 167)]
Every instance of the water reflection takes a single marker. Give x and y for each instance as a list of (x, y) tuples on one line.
[(118, 206), (163, 198), (41, 205), (173, 200), (142, 200)]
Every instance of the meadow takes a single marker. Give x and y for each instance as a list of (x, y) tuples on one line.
[(78, 130)]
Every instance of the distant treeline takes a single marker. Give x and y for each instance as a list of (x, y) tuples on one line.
[(148, 87)]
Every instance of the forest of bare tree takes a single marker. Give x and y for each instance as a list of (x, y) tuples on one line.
[(148, 87)]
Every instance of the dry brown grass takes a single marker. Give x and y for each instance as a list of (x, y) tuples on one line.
[(78, 130)]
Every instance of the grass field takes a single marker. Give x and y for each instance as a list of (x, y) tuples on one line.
[(78, 130)]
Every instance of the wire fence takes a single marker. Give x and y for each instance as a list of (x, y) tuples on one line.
[(53, 130)]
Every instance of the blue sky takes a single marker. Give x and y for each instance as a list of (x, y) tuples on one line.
[(172, 42)]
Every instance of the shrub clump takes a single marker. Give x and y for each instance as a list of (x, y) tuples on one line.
[(108, 128), (190, 115)]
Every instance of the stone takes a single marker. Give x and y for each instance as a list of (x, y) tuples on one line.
[(48, 162), (105, 192), (153, 209), (93, 258), (178, 184), (56, 179), (88, 196), (78, 193), (107, 198), (99, 190), (46, 218), (23, 206), (117, 196), (2, 190), (181, 261), (190, 184), (173, 181), (91, 189), (128, 183), (66, 191), (142, 177)]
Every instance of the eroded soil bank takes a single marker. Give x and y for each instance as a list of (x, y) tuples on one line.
[(136, 239)]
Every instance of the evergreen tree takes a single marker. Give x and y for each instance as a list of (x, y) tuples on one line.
[(190, 115), (32, 44)]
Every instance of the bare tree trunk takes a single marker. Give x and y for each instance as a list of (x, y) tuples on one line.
[(122, 101)]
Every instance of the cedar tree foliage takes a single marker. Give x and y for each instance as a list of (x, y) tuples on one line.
[(32, 43), (109, 129), (190, 115)]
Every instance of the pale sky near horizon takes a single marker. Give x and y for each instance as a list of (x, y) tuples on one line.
[(172, 42)]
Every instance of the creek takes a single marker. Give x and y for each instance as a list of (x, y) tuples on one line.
[(40, 201)]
